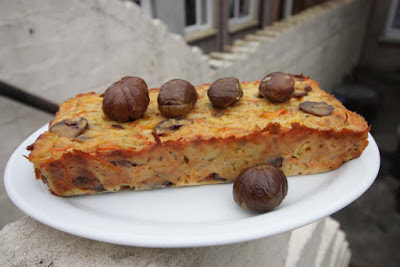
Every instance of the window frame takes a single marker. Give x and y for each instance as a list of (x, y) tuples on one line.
[(198, 27), (147, 7), (236, 20), (238, 24), (389, 31)]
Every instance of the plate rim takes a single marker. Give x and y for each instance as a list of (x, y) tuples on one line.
[(181, 243)]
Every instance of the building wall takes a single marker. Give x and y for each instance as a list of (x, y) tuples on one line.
[(172, 13), (378, 53), (324, 42), (58, 49)]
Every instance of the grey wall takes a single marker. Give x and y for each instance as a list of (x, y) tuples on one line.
[(172, 13)]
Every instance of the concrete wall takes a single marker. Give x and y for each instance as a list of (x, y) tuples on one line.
[(58, 49), (172, 12), (30, 243)]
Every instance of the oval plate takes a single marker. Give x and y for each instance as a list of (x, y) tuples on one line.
[(190, 216)]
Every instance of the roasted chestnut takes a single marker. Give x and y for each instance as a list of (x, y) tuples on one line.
[(171, 125), (277, 87), (316, 108), (303, 86), (260, 188), (126, 99), (301, 90), (224, 92), (70, 128), (176, 98), (299, 93)]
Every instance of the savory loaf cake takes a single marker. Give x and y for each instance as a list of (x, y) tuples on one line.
[(207, 146)]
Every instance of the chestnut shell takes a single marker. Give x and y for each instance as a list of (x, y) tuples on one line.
[(224, 92), (277, 87), (126, 99), (260, 188), (176, 98)]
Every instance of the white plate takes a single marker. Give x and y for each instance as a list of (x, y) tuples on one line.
[(186, 217)]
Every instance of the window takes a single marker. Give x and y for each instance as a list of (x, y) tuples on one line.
[(392, 29), (198, 15), (241, 11), (147, 7)]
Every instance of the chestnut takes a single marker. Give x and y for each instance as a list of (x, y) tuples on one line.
[(171, 125), (126, 99), (319, 109), (70, 128), (299, 93), (176, 98), (260, 188), (224, 92), (277, 87)]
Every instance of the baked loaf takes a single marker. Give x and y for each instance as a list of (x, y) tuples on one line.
[(208, 146)]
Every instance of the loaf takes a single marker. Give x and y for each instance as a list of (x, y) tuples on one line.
[(207, 146)]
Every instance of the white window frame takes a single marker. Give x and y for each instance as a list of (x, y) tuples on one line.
[(209, 15), (390, 32), (240, 20), (147, 7)]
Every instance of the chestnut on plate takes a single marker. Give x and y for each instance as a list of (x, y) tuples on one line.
[(260, 188)]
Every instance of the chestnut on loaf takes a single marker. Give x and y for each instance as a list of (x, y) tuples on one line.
[(277, 87), (301, 90), (316, 108), (171, 125), (224, 92), (126, 99), (70, 128), (176, 98)]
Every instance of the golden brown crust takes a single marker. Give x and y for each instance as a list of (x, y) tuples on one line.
[(214, 149)]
